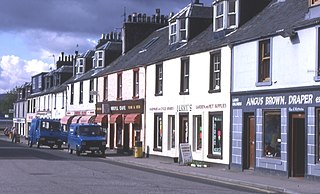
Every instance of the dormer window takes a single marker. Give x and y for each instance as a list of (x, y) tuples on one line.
[(225, 14), (178, 31), (173, 33), (80, 68), (98, 59), (314, 2)]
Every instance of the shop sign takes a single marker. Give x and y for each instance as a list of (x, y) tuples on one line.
[(184, 108), (120, 107), (161, 109), (291, 100), (211, 106), (185, 155)]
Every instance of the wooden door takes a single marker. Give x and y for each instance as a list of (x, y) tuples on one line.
[(252, 140)]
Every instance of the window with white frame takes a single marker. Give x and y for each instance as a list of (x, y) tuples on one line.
[(159, 79), (40, 82), (100, 58), (184, 77), (171, 132), (80, 65), (136, 83), (197, 132), (105, 93), (119, 86), (182, 29), (33, 83), (215, 71), (81, 93), (91, 90), (264, 73), (158, 131), (173, 33), (314, 2), (225, 14), (71, 93)]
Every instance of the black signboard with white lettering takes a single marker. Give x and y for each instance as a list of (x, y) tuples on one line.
[(294, 101), (120, 107)]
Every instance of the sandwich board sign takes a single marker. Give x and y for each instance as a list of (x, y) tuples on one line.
[(185, 155)]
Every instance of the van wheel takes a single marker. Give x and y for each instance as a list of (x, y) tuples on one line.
[(77, 152), (70, 150)]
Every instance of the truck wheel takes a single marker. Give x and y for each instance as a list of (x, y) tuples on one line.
[(77, 152), (70, 150), (59, 146)]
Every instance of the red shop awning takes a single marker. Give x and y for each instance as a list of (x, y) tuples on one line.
[(75, 119), (132, 118), (101, 118), (66, 120), (87, 119), (116, 118)]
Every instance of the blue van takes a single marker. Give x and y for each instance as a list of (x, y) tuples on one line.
[(45, 132), (86, 137)]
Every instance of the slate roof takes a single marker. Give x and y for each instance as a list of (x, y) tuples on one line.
[(278, 15), (87, 54)]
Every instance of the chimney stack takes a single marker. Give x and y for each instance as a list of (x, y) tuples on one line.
[(62, 55)]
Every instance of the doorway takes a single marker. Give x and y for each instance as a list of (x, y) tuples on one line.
[(297, 145), (111, 136), (126, 137), (184, 128), (249, 134)]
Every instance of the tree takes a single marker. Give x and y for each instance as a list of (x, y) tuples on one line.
[(7, 101)]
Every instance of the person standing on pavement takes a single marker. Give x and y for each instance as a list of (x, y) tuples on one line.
[(14, 134)]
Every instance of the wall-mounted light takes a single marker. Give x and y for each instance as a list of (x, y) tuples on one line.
[(286, 33)]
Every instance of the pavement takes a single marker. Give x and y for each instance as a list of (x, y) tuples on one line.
[(218, 173)]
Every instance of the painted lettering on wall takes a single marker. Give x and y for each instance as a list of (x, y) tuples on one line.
[(301, 99), (164, 108), (211, 106), (184, 108)]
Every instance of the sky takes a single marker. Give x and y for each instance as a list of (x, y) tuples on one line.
[(33, 33)]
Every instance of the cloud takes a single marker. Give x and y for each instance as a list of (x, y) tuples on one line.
[(15, 71)]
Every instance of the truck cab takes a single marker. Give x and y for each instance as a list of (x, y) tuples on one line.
[(86, 137), (45, 132)]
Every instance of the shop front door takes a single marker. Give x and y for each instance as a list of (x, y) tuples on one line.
[(249, 141), (183, 128), (297, 145)]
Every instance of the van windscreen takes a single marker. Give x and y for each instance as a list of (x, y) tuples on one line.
[(89, 130)]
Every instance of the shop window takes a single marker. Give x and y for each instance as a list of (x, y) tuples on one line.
[(184, 78), (81, 93), (159, 79), (318, 134), (119, 86), (136, 83), (264, 65), (272, 134), (215, 135), (197, 132), (105, 94), (158, 132), (71, 93), (91, 91), (119, 135), (171, 132), (215, 71)]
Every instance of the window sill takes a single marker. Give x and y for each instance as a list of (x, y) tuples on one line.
[(214, 91), (119, 99), (135, 97), (316, 78), (90, 101), (158, 94), (184, 93), (157, 149), (71, 103), (213, 156), (260, 84), (80, 102)]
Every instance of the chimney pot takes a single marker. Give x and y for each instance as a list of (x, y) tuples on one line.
[(148, 19), (153, 19), (62, 55), (129, 18), (139, 17), (144, 16), (134, 17)]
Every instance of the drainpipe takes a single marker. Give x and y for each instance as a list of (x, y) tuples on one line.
[(145, 111), (231, 89)]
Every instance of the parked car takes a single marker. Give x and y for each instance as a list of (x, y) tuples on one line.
[(86, 137), (45, 132)]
